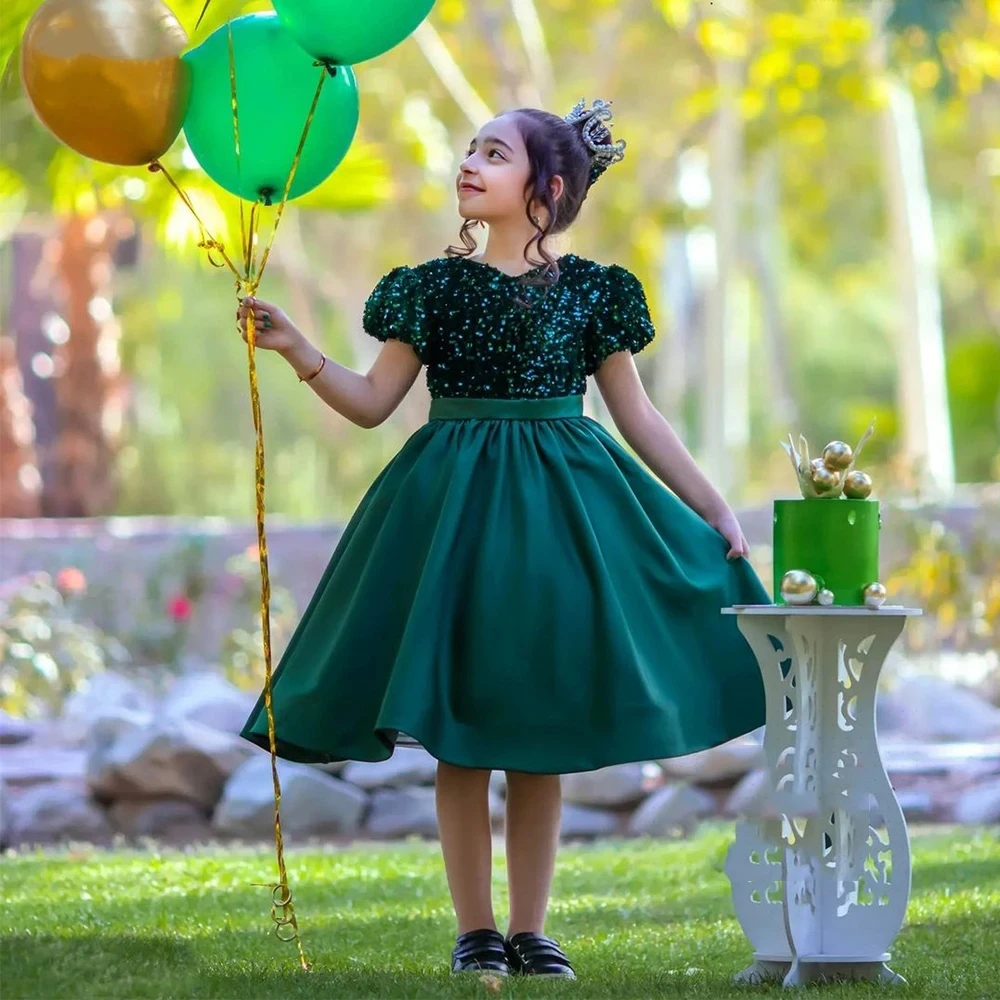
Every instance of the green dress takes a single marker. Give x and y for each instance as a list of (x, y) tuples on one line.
[(515, 591)]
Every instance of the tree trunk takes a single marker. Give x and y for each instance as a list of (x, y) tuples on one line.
[(677, 289), (923, 392), (927, 449), (724, 419), (34, 325), (766, 258), (20, 482), (87, 374)]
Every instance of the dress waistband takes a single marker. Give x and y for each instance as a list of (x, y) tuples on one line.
[(460, 407)]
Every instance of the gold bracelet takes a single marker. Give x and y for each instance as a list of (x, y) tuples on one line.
[(309, 378)]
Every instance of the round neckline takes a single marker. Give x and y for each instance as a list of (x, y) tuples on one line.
[(521, 274)]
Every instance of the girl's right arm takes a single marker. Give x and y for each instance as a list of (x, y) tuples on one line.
[(364, 399)]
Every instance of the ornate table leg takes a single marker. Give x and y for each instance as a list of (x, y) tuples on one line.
[(755, 860), (846, 882), (755, 871)]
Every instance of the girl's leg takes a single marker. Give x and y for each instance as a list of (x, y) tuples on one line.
[(534, 808), (463, 811)]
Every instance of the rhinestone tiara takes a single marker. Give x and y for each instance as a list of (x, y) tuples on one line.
[(602, 155)]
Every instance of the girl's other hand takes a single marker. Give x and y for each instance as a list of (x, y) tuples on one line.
[(273, 330), (727, 526)]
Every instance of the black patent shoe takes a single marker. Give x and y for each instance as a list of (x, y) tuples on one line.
[(480, 951), (531, 954)]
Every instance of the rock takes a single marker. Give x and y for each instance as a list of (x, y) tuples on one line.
[(751, 798), (209, 699), (671, 808), (979, 805), (911, 758), (117, 724), (32, 764), (311, 802), (402, 812), (171, 758), (5, 801), (14, 730), (102, 694), (156, 817), (726, 762), (332, 767), (407, 766), (918, 804), (618, 785), (55, 812), (929, 708), (581, 821)]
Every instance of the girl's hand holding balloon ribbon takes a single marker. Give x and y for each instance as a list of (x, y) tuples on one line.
[(273, 330)]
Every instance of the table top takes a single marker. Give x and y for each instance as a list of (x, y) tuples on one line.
[(831, 610)]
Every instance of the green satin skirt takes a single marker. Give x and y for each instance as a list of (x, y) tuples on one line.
[(515, 591)]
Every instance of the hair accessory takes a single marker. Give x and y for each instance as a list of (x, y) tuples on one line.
[(602, 155)]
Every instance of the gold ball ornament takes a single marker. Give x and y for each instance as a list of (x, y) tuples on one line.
[(837, 455), (875, 595), (798, 587), (825, 597), (857, 485), (823, 478)]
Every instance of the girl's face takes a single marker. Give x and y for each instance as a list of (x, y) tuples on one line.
[(492, 177)]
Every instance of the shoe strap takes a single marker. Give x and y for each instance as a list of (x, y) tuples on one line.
[(533, 948), (480, 943)]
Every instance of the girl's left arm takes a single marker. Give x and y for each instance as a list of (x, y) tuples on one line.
[(657, 444)]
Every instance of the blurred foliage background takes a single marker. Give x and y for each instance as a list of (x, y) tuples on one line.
[(759, 174)]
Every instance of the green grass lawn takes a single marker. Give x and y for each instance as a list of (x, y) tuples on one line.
[(638, 919)]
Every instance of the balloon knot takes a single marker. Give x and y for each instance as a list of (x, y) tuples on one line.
[(155, 167), (266, 194), (330, 67)]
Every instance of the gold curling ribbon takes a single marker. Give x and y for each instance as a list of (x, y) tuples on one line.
[(206, 241), (282, 908)]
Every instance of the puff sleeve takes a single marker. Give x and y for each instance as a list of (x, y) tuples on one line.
[(396, 310), (621, 320)]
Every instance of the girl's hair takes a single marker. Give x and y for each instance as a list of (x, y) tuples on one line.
[(555, 147)]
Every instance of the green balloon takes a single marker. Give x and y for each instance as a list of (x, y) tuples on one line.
[(276, 82), (347, 32)]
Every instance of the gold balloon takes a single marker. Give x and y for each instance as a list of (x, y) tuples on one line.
[(875, 594), (823, 478), (837, 455), (798, 587), (106, 77), (857, 485)]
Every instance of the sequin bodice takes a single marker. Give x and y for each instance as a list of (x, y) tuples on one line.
[(461, 318)]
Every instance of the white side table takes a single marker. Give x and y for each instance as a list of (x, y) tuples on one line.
[(820, 887)]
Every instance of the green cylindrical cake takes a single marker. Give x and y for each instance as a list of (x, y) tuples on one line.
[(835, 540)]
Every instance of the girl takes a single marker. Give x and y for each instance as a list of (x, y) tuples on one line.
[(515, 591)]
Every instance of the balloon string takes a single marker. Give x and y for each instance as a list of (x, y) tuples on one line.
[(197, 24), (245, 235), (249, 250), (286, 926), (286, 923), (207, 241), (294, 167)]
